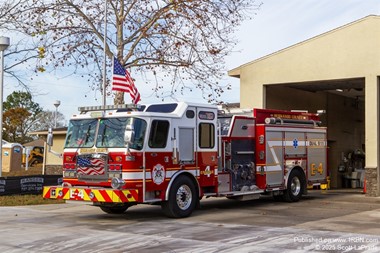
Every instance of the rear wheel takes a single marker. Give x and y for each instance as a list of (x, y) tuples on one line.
[(295, 187), (182, 198)]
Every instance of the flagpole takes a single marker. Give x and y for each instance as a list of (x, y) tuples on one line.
[(105, 56)]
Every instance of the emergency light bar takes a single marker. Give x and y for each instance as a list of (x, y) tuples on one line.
[(132, 107)]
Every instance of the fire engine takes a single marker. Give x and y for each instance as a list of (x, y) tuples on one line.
[(175, 154)]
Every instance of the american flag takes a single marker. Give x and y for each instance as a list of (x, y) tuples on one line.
[(122, 81), (90, 166)]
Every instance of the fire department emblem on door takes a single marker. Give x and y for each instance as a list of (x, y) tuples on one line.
[(158, 174)]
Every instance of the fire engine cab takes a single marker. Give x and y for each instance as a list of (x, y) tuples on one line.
[(175, 154)]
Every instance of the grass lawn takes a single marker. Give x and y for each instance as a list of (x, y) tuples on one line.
[(27, 199)]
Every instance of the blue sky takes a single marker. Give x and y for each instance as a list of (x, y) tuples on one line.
[(278, 24)]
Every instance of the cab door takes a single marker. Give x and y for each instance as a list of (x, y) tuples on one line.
[(206, 146), (158, 155)]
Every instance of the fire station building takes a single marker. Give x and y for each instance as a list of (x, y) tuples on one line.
[(337, 72)]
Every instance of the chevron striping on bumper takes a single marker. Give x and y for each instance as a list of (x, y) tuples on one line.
[(88, 194)]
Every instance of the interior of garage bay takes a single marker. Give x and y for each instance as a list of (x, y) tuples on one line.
[(341, 107)]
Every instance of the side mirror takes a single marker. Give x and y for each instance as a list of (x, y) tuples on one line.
[(49, 140), (129, 135)]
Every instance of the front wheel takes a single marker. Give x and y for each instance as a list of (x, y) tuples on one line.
[(182, 198), (295, 187)]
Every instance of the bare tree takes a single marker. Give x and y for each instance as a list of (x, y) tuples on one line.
[(23, 49), (183, 41), (46, 119)]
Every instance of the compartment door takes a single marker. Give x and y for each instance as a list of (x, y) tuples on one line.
[(186, 145), (274, 158), (317, 156)]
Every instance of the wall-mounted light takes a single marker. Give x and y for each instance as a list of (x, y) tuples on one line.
[(320, 112)]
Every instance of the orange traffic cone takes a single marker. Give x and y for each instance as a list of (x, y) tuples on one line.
[(365, 186)]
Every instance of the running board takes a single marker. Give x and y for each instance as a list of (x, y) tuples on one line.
[(234, 193)]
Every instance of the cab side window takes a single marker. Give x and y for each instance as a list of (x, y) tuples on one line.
[(206, 135), (158, 134)]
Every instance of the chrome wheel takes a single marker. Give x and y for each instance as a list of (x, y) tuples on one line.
[(295, 186), (184, 197)]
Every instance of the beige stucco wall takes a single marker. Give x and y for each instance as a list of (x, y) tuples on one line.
[(350, 51), (58, 144), (347, 52), (52, 158)]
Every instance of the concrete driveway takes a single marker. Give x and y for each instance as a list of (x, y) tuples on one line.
[(333, 221)]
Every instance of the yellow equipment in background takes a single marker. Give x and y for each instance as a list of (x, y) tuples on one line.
[(36, 156)]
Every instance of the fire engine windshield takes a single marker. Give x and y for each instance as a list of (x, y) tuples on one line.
[(81, 133), (119, 132)]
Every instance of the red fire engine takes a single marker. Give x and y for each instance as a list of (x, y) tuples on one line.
[(177, 153)]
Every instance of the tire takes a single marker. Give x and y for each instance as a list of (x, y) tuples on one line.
[(182, 198), (119, 209), (295, 187)]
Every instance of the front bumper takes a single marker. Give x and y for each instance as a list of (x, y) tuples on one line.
[(106, 195)]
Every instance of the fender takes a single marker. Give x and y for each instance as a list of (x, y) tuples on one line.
[(289, 170), (180, 172)]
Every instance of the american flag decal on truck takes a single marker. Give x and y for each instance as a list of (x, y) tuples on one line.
[(88, 165)]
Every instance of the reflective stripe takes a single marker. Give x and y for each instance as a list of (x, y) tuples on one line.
[(168, 174), (135, 175), (291, 129), (272, 168), (88, 194), (276, 166)]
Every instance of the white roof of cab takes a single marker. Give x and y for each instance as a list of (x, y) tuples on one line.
[(168, 109)]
